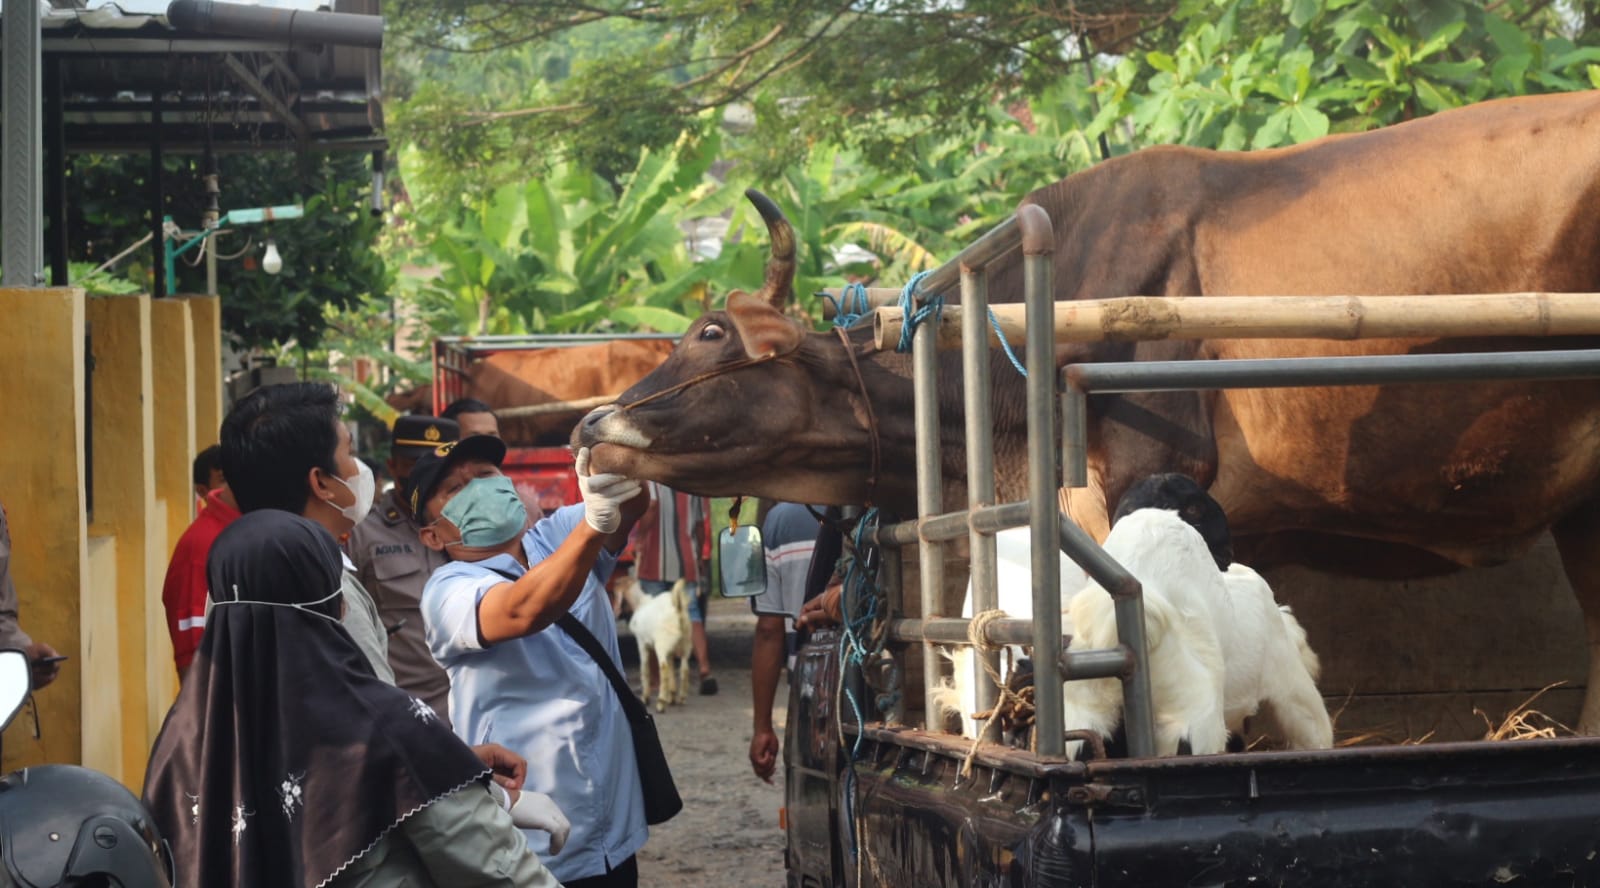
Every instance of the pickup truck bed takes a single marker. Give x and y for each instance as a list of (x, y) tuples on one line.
[(1457, 814)]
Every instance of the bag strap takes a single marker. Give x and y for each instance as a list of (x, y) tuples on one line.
[(631, 707)]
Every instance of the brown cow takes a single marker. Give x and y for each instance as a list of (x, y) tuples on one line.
[(526, 378), (1497, 197)]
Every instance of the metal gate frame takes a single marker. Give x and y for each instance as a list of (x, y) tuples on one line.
[(1031, 229)]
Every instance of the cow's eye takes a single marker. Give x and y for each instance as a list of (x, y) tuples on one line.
[(712, 331)]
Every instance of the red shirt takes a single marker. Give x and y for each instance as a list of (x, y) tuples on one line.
[(184, 592)]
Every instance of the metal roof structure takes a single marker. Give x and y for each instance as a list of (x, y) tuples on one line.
[(125, 75), (189, 76)]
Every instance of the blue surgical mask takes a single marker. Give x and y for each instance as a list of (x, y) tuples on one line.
[(488, 512)]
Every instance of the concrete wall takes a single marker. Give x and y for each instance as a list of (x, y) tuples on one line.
[(90, 584), (125, 508), (205, 314), (172, 341), (43, 490), (103, 704)]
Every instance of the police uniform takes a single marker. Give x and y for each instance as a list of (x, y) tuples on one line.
[(394, 565)]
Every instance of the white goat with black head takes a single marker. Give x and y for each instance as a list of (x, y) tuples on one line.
[(1208, 620)]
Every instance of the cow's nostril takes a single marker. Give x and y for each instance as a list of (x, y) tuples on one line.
[(595, 416)]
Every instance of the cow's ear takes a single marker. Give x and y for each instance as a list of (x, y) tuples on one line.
[(763, 329)]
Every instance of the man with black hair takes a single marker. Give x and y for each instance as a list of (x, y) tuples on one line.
[(207, 472), (505, 619), (473, 416), (283, 447), (789, 537), (183, 591)]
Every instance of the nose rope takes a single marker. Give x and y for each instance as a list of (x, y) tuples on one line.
[(872, 418), (861, 382), (709, 374)]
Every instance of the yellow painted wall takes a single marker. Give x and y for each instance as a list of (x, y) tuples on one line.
[(172, 341), (205, 313), (102, 699), (125, 507), (42, 487)]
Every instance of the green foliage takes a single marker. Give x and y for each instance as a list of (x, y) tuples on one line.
[(1262, 73), (608, 79), (565, 252), (548, 179), (328, 262), (99, 283), (328, 256)]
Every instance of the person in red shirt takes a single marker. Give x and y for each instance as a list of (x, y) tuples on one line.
[(184, 592)]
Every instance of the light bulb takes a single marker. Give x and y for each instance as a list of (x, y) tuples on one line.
[(272, 263)]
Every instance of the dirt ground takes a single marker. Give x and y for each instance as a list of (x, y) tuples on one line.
[(727, 833)]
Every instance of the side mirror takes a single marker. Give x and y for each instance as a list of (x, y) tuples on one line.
[(743, 563), (16, 680)]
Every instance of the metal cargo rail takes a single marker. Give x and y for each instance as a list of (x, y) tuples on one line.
[(1030, 230)]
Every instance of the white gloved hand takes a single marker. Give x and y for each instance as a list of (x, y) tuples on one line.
[(603, 495), (535, 810)]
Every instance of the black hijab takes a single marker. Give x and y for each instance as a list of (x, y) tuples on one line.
[(285, 758)]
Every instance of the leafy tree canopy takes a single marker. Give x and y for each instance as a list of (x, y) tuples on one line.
[(604, 79)]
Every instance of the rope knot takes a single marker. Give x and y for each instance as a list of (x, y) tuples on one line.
[(915, 314), (978, 631)]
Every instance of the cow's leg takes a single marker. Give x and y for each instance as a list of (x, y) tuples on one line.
[(1087, 508), (1578, 540)]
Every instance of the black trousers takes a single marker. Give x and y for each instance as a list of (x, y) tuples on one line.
[(626, 875)]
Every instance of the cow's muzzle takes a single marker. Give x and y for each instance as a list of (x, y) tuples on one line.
[(608, 425)]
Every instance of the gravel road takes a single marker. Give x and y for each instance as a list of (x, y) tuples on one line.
[(727, 833)]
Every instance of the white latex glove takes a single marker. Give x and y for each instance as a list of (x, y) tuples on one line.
[(535, 810), (603, 495)]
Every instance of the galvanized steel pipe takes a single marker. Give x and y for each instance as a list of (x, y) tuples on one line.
[(980, 470), (1127, 597), (930, 492), (1038, 243)]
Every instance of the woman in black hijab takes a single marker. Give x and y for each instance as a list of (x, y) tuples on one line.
[(286, 762)]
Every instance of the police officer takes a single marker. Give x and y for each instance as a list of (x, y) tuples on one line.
[(393, 564)]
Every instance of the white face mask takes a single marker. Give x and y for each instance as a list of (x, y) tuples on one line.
[(364, 488), (306, 606)]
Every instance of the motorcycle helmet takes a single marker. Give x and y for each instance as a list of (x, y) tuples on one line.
[(62, 825)]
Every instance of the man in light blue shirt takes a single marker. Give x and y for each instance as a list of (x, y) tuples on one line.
[(514, 677)]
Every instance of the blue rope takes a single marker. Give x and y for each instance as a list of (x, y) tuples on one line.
[(858, 643), (851, 306), (859, 604), (1000, 334), (915, 314)]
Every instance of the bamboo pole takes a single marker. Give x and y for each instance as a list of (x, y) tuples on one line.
[(1281, 317), (554, 407)]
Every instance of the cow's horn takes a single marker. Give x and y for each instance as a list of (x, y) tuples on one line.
[(779, 285)]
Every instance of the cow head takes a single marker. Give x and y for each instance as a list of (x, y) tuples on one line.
[(750, 402)]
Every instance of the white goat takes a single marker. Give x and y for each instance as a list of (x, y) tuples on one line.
[(660, 624), (1264, 655), (1187, 676)]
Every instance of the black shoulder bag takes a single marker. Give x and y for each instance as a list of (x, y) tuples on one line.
[(661, 799)]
